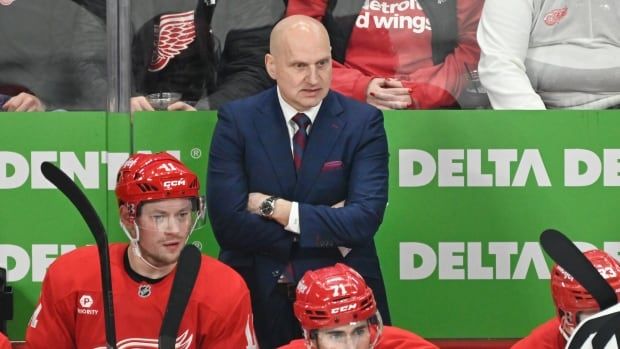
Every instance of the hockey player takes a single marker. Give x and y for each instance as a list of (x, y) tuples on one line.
[(337, 310), (159, 206), (573, 303)]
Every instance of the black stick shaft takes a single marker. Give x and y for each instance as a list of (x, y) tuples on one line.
[(182, 286), (88, 212)]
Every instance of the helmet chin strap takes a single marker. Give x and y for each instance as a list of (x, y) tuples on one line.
[(135, 247), (564, 333)]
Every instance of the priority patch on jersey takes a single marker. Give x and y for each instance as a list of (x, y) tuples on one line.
[(86, 303), (174, 33), (555, 16)]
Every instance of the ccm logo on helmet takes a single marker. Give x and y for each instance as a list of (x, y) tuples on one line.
[(344, 308), (171, 184)]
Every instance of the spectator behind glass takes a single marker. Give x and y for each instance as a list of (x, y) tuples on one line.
[(175, 50), (172, 51), (243, 29), (386, 54), (573, 303), (337, 310), (539, 54), (36, 67), (18, 99)]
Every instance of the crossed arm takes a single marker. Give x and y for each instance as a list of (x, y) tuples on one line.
[(232, 205)]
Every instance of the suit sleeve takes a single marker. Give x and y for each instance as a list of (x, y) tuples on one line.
[(227, 195), (51, 321), (504, 35), (356, 223), (439, 85)]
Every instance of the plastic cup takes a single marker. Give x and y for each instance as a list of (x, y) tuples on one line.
[(161, 100)]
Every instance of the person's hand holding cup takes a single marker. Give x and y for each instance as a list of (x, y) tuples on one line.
[(160, 101)]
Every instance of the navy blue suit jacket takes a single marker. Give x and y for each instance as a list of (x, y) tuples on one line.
[(346, 158)]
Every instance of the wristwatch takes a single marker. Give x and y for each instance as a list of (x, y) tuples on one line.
[(268, 206)]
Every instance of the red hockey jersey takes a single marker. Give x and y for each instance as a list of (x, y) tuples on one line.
[(4, 342), (545, 336), (391, 338), (70, 310)]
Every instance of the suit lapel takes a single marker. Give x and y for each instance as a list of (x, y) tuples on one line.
[(273, 134), (327, 126)]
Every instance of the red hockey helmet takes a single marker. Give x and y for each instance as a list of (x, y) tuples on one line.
[(571, 298), (146, 177), (333, 296)]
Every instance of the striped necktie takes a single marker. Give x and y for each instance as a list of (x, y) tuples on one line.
[(300, 138)]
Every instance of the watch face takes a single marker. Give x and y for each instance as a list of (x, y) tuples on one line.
[(266, 208)]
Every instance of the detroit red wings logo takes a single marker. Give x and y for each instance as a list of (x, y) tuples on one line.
[(6, 2), (174, 34), (555, 16), (184, 341)]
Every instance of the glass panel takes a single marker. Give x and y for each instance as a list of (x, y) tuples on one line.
[(44, 51), (198, 53)]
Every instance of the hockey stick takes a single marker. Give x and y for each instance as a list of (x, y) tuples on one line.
[(182, 286), (86, 209), (568, 256)]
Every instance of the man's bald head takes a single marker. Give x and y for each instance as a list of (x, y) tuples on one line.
[(293, 28), (300, 61)]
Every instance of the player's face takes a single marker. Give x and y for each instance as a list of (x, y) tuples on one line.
[(353, 336), (164, 227)]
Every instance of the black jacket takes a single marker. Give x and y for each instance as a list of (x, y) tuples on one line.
[(191, 72)]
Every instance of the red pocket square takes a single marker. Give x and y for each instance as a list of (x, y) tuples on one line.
[(331, 165)]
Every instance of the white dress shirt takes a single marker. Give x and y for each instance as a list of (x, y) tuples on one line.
[(289, 112)]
